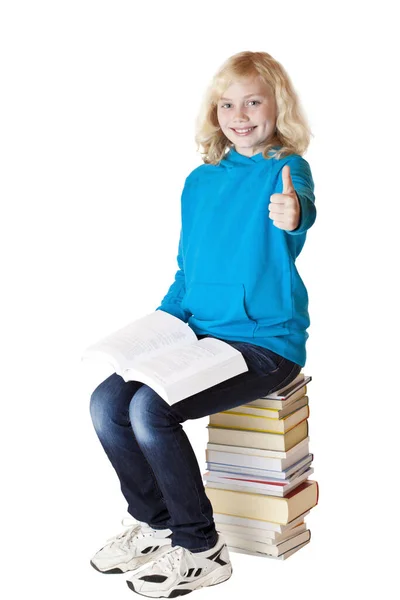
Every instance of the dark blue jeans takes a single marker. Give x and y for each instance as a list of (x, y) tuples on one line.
[(143, 438)]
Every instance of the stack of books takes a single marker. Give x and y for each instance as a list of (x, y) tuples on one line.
[(259, 465)]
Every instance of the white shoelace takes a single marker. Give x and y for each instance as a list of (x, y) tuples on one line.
[(169, 561), (124, 539)]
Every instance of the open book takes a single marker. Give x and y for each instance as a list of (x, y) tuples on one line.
[(164, 353)]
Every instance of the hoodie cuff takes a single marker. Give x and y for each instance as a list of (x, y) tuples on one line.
[(308, 214)]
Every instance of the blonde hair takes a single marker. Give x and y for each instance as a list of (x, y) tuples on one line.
[(292, 132)]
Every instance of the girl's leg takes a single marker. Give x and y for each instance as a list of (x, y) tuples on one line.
[(158, 431), (109, 409), (267, 373)]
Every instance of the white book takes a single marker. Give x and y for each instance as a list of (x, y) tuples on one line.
[(282, 556), (275, 460), (268, 549), (267, 488), (222, 519), (164, 353), (287, 475), (286, 392), (282, 398), (263, 535)]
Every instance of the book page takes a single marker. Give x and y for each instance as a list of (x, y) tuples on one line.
[(144, 338), (186, 371), (187, 361)]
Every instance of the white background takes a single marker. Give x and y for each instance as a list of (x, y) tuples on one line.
[(98, 105)]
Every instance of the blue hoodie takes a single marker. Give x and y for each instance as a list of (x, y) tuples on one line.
[(237, 279)]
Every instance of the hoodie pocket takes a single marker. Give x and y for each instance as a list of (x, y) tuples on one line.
[(273, 306), (219, 307)]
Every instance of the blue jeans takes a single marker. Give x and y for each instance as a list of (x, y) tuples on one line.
[(157, 468)]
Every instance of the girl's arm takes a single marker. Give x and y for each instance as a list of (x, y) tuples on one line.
[(303, 183), (171, 302)]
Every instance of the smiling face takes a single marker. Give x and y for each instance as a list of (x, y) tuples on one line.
[(247, 104)]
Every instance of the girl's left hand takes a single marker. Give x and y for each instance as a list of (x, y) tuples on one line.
[(285, 208)]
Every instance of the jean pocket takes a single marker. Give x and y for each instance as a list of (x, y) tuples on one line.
[(259, 359)]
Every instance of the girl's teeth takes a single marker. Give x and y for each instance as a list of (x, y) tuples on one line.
[(243, 130)]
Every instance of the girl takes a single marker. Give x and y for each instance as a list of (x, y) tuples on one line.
[(245, 214)]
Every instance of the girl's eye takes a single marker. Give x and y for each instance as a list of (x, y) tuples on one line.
[(228, 103)]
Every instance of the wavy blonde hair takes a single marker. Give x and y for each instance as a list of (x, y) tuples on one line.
[(292, 131)]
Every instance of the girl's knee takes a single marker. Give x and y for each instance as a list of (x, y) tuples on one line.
[(140, 403), (146, 411), (103, 406), (97, 408)]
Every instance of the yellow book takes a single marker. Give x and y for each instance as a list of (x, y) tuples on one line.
[(240, 420), (260, 506), (270, 413), (258, 439)]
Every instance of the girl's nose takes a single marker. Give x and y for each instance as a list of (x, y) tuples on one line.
[(240, 115)]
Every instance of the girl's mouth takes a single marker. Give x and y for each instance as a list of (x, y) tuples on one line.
[(243, 131)]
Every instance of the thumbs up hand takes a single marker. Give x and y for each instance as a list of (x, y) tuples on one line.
[(284, 209)]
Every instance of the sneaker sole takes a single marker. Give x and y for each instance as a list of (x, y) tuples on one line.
[(133, 564), (218, 576)]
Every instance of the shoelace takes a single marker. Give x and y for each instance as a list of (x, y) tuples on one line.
[(167, 562), (124, 539)]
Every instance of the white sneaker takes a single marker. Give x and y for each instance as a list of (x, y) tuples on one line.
[(179, 572), (132, 548)]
